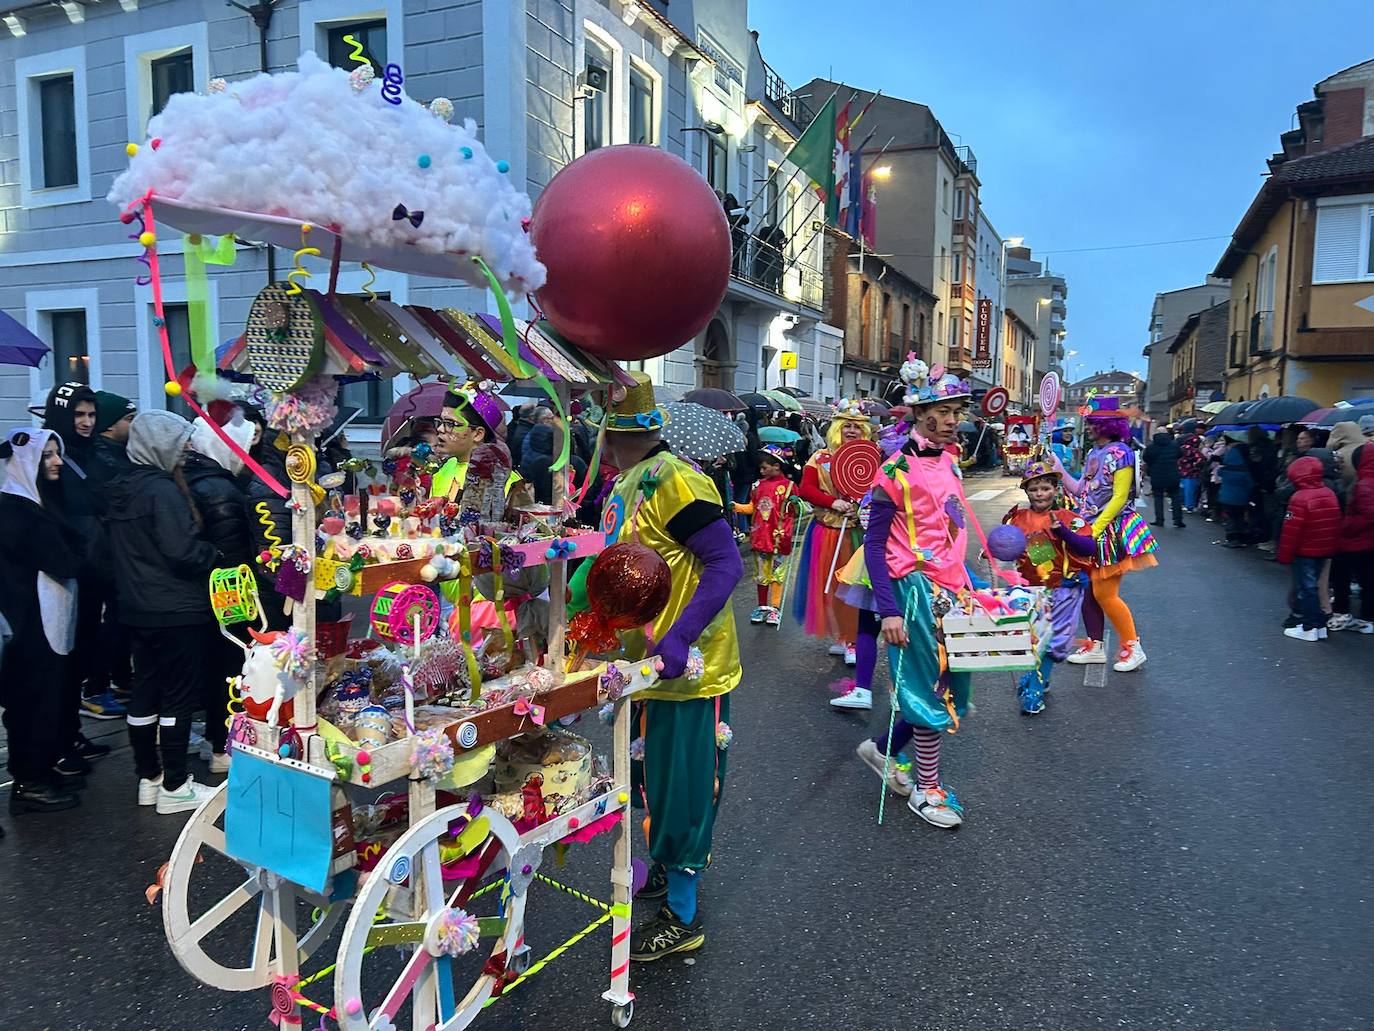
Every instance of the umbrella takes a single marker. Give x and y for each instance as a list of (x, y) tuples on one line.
[(1278, 410), (17, 345), (716, 398), (1188, 425), (785, 401), (1230, 415), (761, 401), (816, 409), (778, 435), (342, 420), (423, 402), (1331, 416), (700, 433), (872, 406), (1212, 407), (967, 427), (796, 392)]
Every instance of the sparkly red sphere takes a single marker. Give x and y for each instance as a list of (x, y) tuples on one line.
[(637, 250), (628, 585)]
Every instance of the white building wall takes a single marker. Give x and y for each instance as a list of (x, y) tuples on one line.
[(989, 285)]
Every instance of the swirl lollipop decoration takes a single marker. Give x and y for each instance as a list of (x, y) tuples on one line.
[(627, 587), (854, 466), (394, 610)]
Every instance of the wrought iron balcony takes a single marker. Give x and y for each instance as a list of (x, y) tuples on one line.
[(782, 97)]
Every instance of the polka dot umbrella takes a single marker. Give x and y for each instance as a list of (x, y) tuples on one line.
[(700, 433)]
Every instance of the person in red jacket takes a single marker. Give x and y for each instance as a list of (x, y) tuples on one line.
[(1357, 543), (1311, 535), (775, 515)]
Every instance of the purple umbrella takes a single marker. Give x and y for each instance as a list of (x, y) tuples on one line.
[(423, 402), (17, 345)]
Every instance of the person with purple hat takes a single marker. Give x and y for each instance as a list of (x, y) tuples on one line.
[(1106, 496)]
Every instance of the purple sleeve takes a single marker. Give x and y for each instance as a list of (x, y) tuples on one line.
[(1076, 543), (880, 516), (714, 545)]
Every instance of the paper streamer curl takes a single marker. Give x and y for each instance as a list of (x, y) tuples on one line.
[(392, 81), (371, 278), (300, 271)]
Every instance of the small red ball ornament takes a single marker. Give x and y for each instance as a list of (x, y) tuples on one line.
[(637, 249), (627, 587)]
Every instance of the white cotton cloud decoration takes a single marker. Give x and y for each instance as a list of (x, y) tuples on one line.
[(304, 145)]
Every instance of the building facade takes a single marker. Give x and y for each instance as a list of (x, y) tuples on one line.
[(1301, 261), (884, 313), (1198, 356), (988, 286), (1041, 298), (1171, 309), (1115, 383), (1018, 362), (545, 81)]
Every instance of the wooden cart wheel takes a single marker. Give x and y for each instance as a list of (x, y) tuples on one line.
[(255, 917), (394, 970)]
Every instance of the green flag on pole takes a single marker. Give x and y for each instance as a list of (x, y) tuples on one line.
[(814, 154)]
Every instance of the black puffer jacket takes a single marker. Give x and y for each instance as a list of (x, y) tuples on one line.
[(108, 461), (1161, 461), (220, 500)]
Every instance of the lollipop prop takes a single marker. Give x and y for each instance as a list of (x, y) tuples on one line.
[(1049, 404), (994, 404), (627, 587), (853, 467)]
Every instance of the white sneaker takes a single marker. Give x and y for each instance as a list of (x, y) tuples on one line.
[(1339, 621), (1299, 634), (197, 743), (938, 807), (1322, 633), (1091, 653), (835, 649), (190, 796), (219, 763), (897, 780), (1132, 657), (148, 789), (1362, 626), (856, 698), (851, 657)]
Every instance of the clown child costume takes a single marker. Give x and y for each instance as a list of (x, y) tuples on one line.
[(666, 504), (774, 517), (1106, 496), (834, 528), (915, 547), (1058, 555)]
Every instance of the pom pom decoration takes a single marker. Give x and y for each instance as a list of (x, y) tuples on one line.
[(637, 749), (637, 249), (147, 239), (696, 664), (293, 654), (627, 586), (457, 932), (172, 388), (441, 108), (432, 754), (306, 410), (1006, 543), (361, 77), (724, 735)]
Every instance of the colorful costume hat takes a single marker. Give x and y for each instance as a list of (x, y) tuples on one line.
[(636, 411), (1038, 468), (849, 411), (927, 386), (1103, 408), (476, 398)]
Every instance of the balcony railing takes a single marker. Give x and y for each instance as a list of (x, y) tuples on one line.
[(1262, 332), (781, 96), (1236, 356), (773, 262), (1180, 388)]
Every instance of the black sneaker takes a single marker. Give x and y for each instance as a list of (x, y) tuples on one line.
[(40, 798), (656, 887), (87, 749), (71, 772), (665, 935)]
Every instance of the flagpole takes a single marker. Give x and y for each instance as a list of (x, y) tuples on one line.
[(750, 206)]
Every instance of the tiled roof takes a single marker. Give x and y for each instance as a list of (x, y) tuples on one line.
[(1352, 159)]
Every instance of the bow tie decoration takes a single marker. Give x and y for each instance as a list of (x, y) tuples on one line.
[(648, 483), (525, 707), (898, 463), (560, 549), (414, 217), (650, 420)]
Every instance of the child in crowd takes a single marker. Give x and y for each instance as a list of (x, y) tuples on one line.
[(774, 517), (1310, 536), (1059, 550)]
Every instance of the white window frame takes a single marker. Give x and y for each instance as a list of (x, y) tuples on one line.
[(38, 308), (317, 17), (1365, 204), (617, 125), (142, 50), (151, 373), (28, 72), (656, 113), (1267, 280)]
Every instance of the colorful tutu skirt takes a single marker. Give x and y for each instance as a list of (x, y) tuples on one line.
[(852, 585), (1125, 546), (812, 604), (928, 694)]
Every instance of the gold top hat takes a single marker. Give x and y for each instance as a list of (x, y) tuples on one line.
[(633, 409)]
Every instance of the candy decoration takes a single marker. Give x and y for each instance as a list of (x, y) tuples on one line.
[(1006, 543), (627, 587), (424, 161), (234, 595), (1049, 394), (995, 401), (300, 463), (441, 108), (361, 77), (854, 466), (394, 610), (356, 54)]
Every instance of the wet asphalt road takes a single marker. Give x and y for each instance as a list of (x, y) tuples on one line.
[(1189, 847)]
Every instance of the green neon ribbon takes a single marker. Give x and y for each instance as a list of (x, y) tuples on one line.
[(198, 252)]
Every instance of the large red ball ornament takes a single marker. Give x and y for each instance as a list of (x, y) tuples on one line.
[(628, 585), (637, 249)]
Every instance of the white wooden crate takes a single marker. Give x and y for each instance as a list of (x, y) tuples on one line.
[(977, 641)]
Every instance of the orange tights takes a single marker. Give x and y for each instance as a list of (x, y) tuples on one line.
[(1107, 592)]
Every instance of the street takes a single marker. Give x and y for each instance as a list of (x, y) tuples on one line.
[(1186, 847)]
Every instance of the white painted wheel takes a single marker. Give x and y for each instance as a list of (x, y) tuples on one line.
[(392, 968), (254, 919)]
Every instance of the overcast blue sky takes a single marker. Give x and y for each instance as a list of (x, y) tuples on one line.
[(1095, 124)]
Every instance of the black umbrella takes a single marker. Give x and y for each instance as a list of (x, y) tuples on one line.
[(761, 402), (715, 397), (794, 391), (1230, 415), (1278, 410)]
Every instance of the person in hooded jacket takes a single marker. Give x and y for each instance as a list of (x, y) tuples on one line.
[(1237, 485), (1161, 463), (211, 474), (110, 460), (1355, 560), (40, 563), (1344, 439), (72, 412), (1310, 536), (162, 568)]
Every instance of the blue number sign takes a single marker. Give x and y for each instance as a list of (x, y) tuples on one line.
[(277, 817)]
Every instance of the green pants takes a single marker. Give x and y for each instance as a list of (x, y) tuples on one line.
[(681, 778)]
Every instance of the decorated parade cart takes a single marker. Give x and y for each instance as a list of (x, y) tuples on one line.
[(410, 781)]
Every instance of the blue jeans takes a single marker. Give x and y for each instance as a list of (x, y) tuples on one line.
[(1306, 572), (1190, 491)]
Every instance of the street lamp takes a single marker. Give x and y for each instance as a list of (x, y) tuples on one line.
[(882, 173)]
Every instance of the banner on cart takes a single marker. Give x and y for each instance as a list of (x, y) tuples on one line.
[(277, 817)]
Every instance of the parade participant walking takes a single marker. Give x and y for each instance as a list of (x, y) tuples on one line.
[(1309, 538), (1058, 556), (1161, 460), (665, 504), (1106, 496), (161, 568), (40, 562), (834, 528), (774, 517), (915, 547)]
